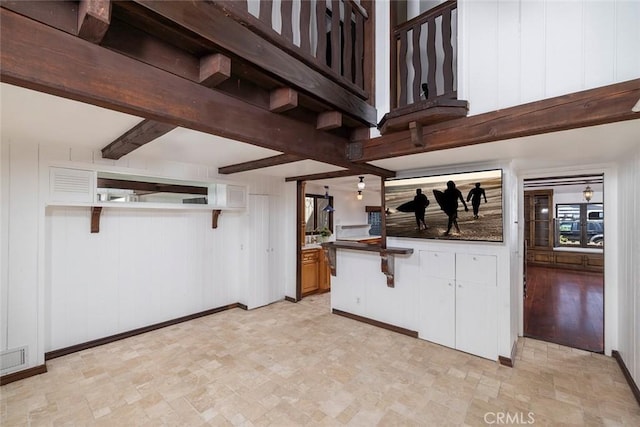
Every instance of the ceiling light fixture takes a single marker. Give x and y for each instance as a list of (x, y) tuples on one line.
[(587, 193), (359, 196), (361, 184), (327, 208)]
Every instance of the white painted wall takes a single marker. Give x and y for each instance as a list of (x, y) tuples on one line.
[(514, 52), (629, 264), (61, 285)]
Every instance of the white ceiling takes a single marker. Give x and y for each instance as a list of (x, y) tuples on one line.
[(26, 115)]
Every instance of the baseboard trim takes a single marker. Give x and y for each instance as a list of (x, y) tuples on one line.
[(509, 362), (242, 306), (505, 361), (106, 340), (393, 328), (623, 367), (286, 298), (20, 375)]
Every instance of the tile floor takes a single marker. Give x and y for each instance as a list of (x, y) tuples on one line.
[(297, 364)]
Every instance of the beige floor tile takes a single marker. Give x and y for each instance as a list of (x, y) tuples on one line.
[(297, 364)]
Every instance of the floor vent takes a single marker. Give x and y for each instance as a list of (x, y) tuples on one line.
[(12, 360)]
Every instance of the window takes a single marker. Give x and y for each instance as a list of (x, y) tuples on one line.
[(315, 215), (580, 225)]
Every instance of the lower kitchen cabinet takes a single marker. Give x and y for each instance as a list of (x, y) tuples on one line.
[(458, 306), (315, 272)]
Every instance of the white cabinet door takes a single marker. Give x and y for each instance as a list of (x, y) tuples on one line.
[(259, 239), (437, 297), (476, 307)]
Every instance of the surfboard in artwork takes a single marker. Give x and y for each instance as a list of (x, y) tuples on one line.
[(440, 198), (409, 206)]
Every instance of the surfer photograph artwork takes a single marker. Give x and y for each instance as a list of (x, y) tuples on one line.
[(409, 212)]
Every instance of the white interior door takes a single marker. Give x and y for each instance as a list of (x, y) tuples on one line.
[(260, 251)]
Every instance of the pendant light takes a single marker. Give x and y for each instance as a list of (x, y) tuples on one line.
[(327, 208), (587, 193), (361, 184), (359, 196)]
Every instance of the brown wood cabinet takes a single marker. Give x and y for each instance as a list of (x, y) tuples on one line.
[(538, 234), (316, 276)]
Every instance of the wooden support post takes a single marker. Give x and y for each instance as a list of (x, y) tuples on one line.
[(95, 218), (282, 99), (416, 134), (214, 69), (214, 218), (329, 120)]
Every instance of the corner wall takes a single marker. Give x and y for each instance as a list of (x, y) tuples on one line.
[(629, 264)]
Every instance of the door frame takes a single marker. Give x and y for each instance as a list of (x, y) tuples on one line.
[(611, 238)]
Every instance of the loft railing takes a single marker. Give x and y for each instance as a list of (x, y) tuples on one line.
[(310, 30), (423, 69)]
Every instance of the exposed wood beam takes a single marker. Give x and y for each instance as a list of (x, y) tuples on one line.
[(325, 175), (214, 69), (329, 120), (283, 99), (62, 15), (591, 107), (280, 159), (94, 17), (142, 133), (42, 58), (211, 23)]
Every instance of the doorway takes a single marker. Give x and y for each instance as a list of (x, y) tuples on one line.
[(564, 261)]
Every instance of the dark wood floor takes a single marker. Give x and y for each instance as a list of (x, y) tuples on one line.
[(565, 307)]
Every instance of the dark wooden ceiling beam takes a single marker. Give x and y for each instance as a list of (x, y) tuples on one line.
[(142, 133), (591, 107), (211, 23), (280, 159), (39, 57), (94, 17), (325, 175)]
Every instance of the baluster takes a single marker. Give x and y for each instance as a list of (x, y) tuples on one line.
[(447, 66), (266, 7), (335, 36), (431, 57), (402, 62), (286, 7), (359, 53), (348, 46), (321, 21), (305, 26), (417, 66)]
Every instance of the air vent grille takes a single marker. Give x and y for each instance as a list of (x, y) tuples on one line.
[(71, 185), (11, 360)]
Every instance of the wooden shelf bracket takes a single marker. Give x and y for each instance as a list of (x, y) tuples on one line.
[(214, 218), (95, 218)]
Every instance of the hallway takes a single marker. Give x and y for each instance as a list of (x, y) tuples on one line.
[(565, 307)]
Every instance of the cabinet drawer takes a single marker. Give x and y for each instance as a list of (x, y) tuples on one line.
[(546, 257), (311, 256), (569, 259)]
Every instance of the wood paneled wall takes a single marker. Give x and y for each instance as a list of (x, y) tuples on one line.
[(515, 52)]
